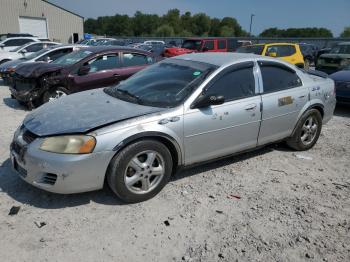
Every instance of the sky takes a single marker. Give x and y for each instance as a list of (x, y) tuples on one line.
[(332, 14)]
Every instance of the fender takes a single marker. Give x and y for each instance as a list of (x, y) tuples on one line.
[(307, 109), (155, 134)]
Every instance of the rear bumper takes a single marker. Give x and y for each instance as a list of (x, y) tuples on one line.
[(60, 173)]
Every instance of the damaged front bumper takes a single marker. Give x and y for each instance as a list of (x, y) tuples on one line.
[(59, 173), (26, 90)]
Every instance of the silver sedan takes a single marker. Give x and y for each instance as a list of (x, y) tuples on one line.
[(178, 112)]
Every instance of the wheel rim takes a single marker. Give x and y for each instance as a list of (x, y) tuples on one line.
[(144, 172), (309, 130), (56, 95)]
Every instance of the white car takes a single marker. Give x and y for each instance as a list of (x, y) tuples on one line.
[(154, 42), (24, 50), (13, 42)]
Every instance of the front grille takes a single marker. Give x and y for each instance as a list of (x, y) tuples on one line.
[(342, 84), (20, 169), (28, 136), (49, 179), (342, 99), (17, 148)]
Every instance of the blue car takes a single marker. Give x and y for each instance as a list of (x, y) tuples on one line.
[(342, 84)]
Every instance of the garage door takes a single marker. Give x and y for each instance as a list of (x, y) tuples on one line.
[(32, 25)]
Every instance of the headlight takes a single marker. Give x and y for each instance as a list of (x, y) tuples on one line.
[(77, 144)]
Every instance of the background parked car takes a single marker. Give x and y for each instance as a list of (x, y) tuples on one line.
[(89, 68), (286, 51), (46, 55), (24, 50), (342, 85), (309, 52), (10, 35), (337, 59), (198, 45), (13, 42)]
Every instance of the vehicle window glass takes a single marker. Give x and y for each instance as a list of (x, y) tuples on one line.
[(234, 85), (253, 49), (222, 44), (72, 57), (277, 78), (209, 45), (192, 44), (341, 49), (12, 42), (104, 62), (281, 50), (54, 55), (34, 48), (131, 59)]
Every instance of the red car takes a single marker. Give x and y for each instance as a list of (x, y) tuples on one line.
[(88, 68), (196, 45)]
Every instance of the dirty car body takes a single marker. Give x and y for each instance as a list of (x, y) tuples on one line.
[(193, 108), (88, 68)]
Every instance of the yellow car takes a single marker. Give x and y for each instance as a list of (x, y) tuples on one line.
[(286, 51)]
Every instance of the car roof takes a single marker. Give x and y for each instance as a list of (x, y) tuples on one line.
[(100, 49), (263, 44), (221, 58)]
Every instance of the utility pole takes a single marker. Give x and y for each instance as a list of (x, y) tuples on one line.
[(251, 24)]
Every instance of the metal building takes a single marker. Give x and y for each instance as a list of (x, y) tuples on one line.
[(40, 18)]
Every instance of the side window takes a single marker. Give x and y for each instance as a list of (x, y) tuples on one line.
[(233, 85), (13, 42), (282, 50), (54, 55), (132, 59), (209, 45), (222, 44), (104, 62), (34, 48), (276, 78)]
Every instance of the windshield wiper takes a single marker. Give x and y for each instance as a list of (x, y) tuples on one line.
[(127, 93)]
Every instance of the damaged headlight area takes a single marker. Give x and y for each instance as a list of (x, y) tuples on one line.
[(73, 144)]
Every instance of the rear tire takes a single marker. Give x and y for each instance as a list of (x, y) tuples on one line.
[(54, 94), (307, 131), (140, 171)]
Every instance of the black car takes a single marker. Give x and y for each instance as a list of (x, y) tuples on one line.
[(342, 85), (309, 52)]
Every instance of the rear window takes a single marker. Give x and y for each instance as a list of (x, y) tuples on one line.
[(253, 49), (192, 44)]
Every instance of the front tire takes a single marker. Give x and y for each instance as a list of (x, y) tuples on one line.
[(307, 131), (140, 171)]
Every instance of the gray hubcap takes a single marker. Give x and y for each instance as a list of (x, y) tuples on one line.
[(56, 94), (144, 172), (309, 131)]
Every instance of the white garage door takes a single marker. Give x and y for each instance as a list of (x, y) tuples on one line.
[(32, 25)]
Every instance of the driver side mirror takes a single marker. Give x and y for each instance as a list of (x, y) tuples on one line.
[(48, 59), (272, 54), (84, 70), (23, 51), (208, 100)]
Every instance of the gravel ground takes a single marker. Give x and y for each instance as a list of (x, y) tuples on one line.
[(273, 204)]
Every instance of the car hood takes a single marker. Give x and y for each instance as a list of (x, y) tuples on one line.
[(82, 112), (12, 63), (36, 69), (341, 76), (335, 56)]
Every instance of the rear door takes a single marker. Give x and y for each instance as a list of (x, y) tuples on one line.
[(231, 127), (283, 98), (103, 72)]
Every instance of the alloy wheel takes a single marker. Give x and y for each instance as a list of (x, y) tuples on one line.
[(309, 130), (144, 172), (56, 94)]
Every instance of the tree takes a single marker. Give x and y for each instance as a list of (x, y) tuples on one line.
[(215, 27), (227, 31), (172, 18), (200, 24), (186, 21), (346, 32), (164, 31), (297, 32)]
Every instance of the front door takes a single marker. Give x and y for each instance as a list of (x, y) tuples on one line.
[(224, 129), (104, 71), (283, 98)]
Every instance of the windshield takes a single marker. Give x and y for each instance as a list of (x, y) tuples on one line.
[(341, 49), (72, 58), (36, 54), (192, 44), (16, 49), (165, 84), (252, 49)]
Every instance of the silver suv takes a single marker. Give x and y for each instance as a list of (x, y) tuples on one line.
[(178, 112)]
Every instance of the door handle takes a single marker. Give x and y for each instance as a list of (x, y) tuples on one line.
[(302, 96), (116, 75), (250, 107)]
